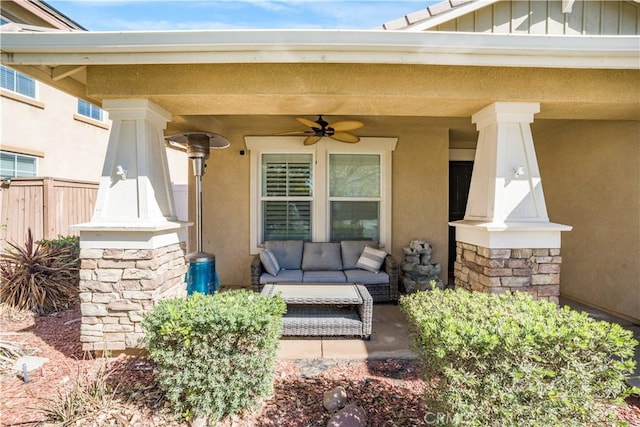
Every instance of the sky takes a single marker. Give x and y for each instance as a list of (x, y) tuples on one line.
[(152, 15)]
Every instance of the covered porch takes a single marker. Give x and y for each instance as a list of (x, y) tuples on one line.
[(522, 109)]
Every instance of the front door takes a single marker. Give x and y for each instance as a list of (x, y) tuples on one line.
[(459, 182)]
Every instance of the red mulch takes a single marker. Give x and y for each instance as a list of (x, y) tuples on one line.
[(390, 391)]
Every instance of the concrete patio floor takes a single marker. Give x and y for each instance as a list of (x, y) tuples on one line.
[(390, 340)]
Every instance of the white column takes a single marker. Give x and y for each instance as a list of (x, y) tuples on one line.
[(506, 206), (134, 206)]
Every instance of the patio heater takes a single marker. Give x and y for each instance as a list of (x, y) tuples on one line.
[(201, 276)]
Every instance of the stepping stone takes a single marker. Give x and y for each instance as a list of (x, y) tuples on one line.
[(32, 362), (349, 416), (334, 399)]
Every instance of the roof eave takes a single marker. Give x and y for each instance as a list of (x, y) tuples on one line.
[(318, 46)]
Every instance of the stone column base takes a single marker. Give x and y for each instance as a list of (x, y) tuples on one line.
[(117, 286), (534, 271)]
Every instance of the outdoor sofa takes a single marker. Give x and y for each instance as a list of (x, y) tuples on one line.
[(348, 261)]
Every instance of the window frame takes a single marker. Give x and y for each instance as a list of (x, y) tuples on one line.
[(91, 109), (265, 197), (14, 91), (320, 227), (15, 170), (376, 199)]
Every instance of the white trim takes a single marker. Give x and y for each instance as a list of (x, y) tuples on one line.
[(258, 145), (510, 235), (449, 15), (320, 46), (130, 236), (462, 154), (6, 93), (90, 121)]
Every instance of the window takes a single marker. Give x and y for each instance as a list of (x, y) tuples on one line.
[(17, 82), (15, 165), (354, 196), (330, 191), (89, 110), (287, 196)]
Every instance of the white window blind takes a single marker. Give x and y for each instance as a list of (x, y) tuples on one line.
[(89, 110), (287, 195), (17, 82)]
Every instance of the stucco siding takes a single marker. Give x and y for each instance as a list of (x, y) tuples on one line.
[(592, 182), (604, 17), (70, 148), (421, 192)]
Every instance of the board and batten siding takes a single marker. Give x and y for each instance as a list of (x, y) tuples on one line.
[(603, 17), (46, 205)]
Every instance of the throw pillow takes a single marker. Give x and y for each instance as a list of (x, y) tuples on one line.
[(371, 259), (269, 262)]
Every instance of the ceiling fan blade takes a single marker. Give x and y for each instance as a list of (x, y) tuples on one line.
[(310, 140), (343, 125), (296, 132), (345, 137), (308, 122)]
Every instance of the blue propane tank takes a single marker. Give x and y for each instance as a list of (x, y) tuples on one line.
[(202, 276)]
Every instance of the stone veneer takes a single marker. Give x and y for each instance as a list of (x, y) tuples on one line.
[(117, 286), (534, 271)]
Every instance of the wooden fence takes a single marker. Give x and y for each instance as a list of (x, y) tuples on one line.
[(46, 205)]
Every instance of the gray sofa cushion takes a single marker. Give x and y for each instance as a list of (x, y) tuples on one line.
[(371, 259), (320, 276), (321, 256), (269, 262), (284, 276), (351, 251), (366, 277), (287, 252)]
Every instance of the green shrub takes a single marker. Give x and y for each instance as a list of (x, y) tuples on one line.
[(215, 354), (36, 277), (63, 242), (509, 360)]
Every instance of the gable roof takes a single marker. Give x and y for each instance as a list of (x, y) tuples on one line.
[(36, 13), (448, 12), (436, 14)]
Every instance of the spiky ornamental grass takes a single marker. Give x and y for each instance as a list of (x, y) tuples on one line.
[(36, 277)]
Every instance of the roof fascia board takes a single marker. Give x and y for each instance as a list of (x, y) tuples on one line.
[(455, 13), (50, 15), (320, 46)]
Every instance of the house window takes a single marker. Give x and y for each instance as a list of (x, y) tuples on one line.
[(286, 196), (354, 197), (89, 110), (329, 191), (16, 165), (17, 82)]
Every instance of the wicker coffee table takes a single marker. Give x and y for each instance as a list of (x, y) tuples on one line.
[(324, 309)]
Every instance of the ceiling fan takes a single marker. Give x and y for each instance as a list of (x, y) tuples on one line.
[(321, 128)]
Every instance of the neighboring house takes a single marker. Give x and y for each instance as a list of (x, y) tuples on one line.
[(530, 92), (45, 132)]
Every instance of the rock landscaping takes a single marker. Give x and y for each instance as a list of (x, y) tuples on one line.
[(375, 393)]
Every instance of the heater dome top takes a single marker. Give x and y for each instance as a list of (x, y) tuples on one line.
[(198, 142)]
